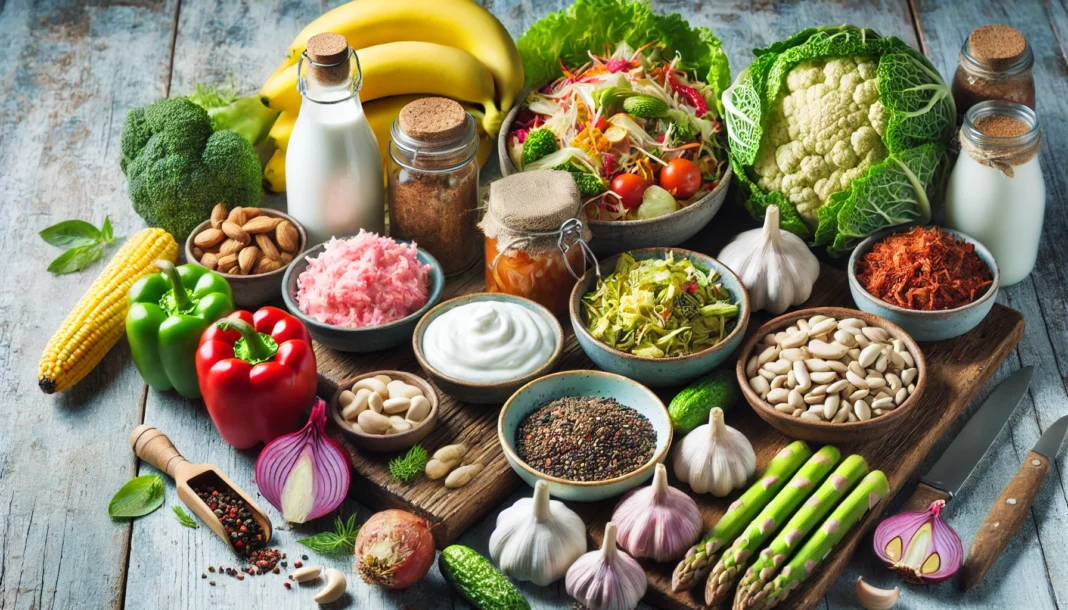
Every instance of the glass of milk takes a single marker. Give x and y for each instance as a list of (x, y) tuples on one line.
[(334, 178)]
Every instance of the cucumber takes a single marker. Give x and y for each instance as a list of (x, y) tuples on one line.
[(476, 579), (691, 406)]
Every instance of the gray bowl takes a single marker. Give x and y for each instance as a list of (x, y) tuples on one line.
[(925, 325), (367, 338), (620, 236)]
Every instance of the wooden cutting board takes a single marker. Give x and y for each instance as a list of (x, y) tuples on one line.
[(957, 369)]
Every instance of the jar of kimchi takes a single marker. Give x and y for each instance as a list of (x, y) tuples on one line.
[(536, 237)]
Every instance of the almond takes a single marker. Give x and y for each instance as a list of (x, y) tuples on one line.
[(247, 258), (218, 215), (234, 231), (197, 253), (210, 261), (285, 258), (251, 213), (237, 216), (230, 246), (261, 224), (266, 265), (287, 236), (267, 246), (209, 237), (226, 263)]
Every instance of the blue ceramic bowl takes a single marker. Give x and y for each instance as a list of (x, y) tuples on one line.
[(660, 372), (367, 338), (925, 325), (584, 383)]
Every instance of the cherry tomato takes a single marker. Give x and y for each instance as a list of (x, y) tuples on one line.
[(601, 123), (681, 178), (630, 188)]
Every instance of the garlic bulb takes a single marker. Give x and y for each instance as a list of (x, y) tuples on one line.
[(537, 539), (607, 579), (657, 522), (776, 266), (714, 457)]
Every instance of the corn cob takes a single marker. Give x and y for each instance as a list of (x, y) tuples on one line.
[(98, 320)]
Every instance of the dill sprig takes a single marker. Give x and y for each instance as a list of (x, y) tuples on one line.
[(406, 468), (183, 517)]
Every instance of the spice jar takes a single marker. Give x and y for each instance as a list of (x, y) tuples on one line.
[(996, 192), (536, 237), (433, 181), (995, 64)]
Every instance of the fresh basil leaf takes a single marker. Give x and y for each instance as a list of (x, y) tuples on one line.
[(343, 540), (138, 497), (72, 233), (76, 259), (107, 234)]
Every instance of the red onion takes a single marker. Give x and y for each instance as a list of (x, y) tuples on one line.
[(921, 547), (304, 474), (394, 549)]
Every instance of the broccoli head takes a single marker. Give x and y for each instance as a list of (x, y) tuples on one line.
[(588, 184), (539, 143), (178, 168)]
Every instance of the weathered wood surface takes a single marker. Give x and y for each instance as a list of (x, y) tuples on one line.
[(69, 71)]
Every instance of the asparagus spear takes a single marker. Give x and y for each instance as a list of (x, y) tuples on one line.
[(726, 571), (698, 561), (804, 520), (868, 493)]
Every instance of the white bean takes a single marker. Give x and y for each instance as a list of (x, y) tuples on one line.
[(373, 422), (876, 334), (814, 399), (345, 398), (874, 383), (869, 354), (785, 407), (856, 380), (862, 410), (420, 409), (816, 319), (795, 399), (857, 369), (791, 380), (908, 376), (836, 366), (831, 351), (395, 406), (793, 354), (896, 361), (898, 345), (399, 389), (817, 365), (819, 390), (373, 384), (854, 322), (909, 360), (384, 379), (893, 381), (837, 386), (911, 388), (862, 341), (882, 363), (760, 385), (795, 340), (804, 382), (830, 407), (374, 402), (853, 354), (798, 412), (841, 415), (809, 416), (845, 338), (882, 403), (901, 396), (766, 374), (822, 327), (769, 339), (751, 367), (779, 367), (823, 377), (769, 354), (778, 395), (859, 394), (779, 381)]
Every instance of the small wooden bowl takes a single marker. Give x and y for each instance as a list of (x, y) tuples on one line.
[(828, 432), (391, 442)]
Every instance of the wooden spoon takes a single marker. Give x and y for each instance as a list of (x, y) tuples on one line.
[(154, 447)]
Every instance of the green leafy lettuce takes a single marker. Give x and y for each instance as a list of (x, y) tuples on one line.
[(598, 26), (914, 115)]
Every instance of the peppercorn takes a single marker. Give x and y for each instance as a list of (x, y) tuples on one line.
[(287, 585)]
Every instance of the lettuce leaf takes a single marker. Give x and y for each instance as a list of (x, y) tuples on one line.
[(598, 26)]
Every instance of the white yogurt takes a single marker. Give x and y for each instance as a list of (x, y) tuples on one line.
[(488, 342)]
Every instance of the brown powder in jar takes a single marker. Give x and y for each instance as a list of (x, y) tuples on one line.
[(995, 65), (1000, 126), (997, 46)]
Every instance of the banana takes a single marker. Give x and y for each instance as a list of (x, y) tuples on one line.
[(455, 23), (282, 128), (274, 173), (399, 68)]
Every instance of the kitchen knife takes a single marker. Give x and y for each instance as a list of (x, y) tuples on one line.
[(961, 457), (1011, 508)]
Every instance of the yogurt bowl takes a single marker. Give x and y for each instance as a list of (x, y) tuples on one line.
[(482, 347)]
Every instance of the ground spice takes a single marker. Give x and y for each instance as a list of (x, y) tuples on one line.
[(245, 533), (585, 439), (995, 64), (924, 269), (1001, 126)]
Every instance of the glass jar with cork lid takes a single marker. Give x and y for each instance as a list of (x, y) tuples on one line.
[(995, 64), (996, 191), (536, 237), (433, 181)]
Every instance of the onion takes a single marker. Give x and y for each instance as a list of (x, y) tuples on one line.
[(394, 549), (921, 547), (304, 474)]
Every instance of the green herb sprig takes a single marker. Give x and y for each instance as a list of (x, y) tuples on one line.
[(340, 541), (406, 468), (183, 517), (84, 244), (137, 498)]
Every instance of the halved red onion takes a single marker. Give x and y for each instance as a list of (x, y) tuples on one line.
[(304, 474), (921, 547)]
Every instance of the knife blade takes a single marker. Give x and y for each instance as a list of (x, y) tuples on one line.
[(949, 473), (1011, 508)]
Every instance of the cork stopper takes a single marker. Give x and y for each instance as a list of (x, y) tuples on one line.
[(997, 46), (434, 120), (329, 53)]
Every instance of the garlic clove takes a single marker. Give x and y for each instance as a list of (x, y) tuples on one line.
[(874, 598)]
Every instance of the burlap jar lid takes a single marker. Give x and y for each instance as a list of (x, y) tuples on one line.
[(526, 210)]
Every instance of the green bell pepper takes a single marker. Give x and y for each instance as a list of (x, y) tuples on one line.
[(166, 320)]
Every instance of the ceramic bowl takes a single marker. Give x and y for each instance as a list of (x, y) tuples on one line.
[(584, 383), (391, 442), (253, 290), (367, 338), (615, 237), (926, 325), (660, 372), (829, 432), (484, 393)]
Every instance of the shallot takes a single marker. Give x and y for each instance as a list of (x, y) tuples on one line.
[(394, 549), (921, 547)]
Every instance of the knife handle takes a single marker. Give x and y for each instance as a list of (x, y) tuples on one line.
[(1005, 519), (921, 498)]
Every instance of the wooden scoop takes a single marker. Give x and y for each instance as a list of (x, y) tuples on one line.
[(154, 447)]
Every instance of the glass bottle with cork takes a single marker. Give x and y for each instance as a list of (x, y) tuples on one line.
[(536, 237), (996, 191), (334, 181), (995, 64), (433, 181)]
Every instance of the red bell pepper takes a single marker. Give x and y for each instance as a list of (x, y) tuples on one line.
[(257, 375)]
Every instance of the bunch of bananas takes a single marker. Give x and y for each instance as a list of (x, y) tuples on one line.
[(408, 49)]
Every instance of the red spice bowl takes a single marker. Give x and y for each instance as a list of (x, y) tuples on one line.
[(923, 325)]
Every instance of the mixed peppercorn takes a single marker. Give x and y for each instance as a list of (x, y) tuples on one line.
[(246, 535)]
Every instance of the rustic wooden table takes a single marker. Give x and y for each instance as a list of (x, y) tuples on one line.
[(69, 71)]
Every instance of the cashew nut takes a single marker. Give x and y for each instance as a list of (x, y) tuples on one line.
[(306, 574), (334, 587), (449, 453), (873, 598)]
